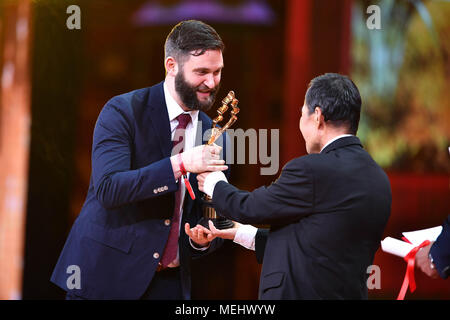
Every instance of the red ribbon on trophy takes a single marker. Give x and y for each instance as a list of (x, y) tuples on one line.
[(184, 174), (409, 280)]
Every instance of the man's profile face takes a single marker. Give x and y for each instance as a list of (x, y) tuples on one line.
[(198, 80)]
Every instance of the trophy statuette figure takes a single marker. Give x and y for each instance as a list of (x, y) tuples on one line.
[(209, 213)]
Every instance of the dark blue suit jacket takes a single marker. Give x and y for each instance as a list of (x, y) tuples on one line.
[(327, 214), (120, 234), (440, 251)]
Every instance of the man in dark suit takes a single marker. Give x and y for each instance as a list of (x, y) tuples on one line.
[(434, 259), (127, 242), (327, 210)]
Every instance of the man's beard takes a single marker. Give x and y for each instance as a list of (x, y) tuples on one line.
[(188, 93)]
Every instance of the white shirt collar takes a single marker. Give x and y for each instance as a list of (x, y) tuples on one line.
[(174, 109), (334, 139)]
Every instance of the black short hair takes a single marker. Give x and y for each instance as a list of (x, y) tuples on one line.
[(337, 97), (191, 37)]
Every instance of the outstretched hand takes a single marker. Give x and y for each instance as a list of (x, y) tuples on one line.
[(198, 234), (203, 236), (229, 233)]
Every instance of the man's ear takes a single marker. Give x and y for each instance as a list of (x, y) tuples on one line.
[(171, 66), (318, 116)]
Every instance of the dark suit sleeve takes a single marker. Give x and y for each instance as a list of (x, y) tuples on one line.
[(440, 251), (287, 199), (114, 182), (260, 244)]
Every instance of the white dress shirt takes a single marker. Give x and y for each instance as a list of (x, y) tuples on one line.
[(334, 139), (174, 110)]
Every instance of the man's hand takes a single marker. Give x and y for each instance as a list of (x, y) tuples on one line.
[(197, 234), (224, 233), (203, 158), (424, 263), (201, 180), (207, 181), (203, 236)]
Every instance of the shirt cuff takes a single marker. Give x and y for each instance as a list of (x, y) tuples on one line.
[(245, 236), (199, 248), (211, 180)]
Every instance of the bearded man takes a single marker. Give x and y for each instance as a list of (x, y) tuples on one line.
[(127, 242)]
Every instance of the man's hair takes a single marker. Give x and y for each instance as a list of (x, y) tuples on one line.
[(191, 37), (338, 98)]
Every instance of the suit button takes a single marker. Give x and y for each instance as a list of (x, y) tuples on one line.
[(156, 255), (167, 222)]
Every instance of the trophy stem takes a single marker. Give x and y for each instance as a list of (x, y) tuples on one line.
[(209, 213), (208, 210)]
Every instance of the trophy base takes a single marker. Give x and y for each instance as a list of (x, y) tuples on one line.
[(220, 223)]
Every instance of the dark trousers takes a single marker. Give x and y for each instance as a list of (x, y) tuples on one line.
[(71, 296), (165, 285)]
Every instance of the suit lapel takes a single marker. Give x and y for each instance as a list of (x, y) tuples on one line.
[(206, 123), (159, 118)]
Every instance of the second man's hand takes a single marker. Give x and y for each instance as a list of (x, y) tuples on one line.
[(201, 180), (203, 236), (229, 233), (207, 181)]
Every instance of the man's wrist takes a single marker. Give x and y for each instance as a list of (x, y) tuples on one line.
[(211, 181), (245, 236), (181, 165), (175, 167)]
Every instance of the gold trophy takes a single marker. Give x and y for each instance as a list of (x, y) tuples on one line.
[(208, 211)]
